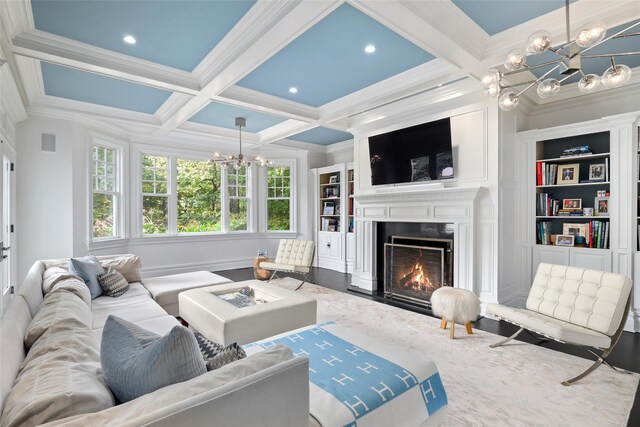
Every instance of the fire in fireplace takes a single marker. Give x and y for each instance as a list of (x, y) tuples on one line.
[(415, 267)]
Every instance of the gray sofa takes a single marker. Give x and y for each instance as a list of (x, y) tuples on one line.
[(266, 389)]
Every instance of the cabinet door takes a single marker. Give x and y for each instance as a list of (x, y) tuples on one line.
[(549, 254), (335, 250), (596, 259), (324, 244)]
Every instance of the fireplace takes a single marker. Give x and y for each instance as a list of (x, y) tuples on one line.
[(414, 267)]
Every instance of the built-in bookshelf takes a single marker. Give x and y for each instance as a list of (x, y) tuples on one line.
[(573, 190), (330, 201)]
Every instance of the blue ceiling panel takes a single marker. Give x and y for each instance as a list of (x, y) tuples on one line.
[(224, 115), (328, 61), (87, 87), (178, 34), (594, 65), (495, 16), (321, 136)]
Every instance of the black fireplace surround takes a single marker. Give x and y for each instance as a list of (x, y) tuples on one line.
[(402, 242)]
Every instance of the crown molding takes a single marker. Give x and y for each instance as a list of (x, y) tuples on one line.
[(298, 146), (74, 54), (258, 101), (340, 147), (79, 107), (223, 134), (430, 98), (31, 74), (407, 83), (283, 130)]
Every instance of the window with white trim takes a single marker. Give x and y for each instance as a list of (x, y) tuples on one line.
[(199, 196), (237, 186), (106, 192), (155, 194), (279, 210)]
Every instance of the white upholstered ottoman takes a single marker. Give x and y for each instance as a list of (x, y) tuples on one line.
[(455, 305), (220, 321), (165, 289)]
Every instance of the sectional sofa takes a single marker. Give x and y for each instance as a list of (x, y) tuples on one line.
[(57, 378)]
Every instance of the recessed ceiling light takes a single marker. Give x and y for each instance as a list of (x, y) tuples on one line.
[(370, 48), (129, 39), (293, 89)]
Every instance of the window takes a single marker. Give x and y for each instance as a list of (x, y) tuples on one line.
[(155, 195), (199, 196), (279, 198), (238, 199), (105, 192)]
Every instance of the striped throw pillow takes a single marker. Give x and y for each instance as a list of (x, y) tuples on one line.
[(113, 283)]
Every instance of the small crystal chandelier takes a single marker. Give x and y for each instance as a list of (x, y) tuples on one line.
[(239, 161), (569, 60)]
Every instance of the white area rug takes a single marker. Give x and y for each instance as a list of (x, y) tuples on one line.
[(514, 385)]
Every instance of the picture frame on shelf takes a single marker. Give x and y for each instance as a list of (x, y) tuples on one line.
[(575, 229), (328, 208), (330, 192), (572, 204), (333, 179), (331, 228), (597, 172), (587, 211), (565, 240), (601, 206), (568, 174)]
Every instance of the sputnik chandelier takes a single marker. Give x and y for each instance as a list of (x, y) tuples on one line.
[(569, 62), (238, 161)]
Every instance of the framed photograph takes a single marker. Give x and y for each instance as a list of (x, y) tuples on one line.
[(572, 204), (601, 205), (596, 172), (332, 228), (587, 211), (568, 174), (329, 208), (333, 179), (575, 229), (565, 240)]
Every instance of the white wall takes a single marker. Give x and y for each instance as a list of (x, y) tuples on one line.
[(479, 143), (52, 209)]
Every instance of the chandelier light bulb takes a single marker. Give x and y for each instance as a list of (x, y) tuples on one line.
[(516, 59), (493, 90), (490, 77), (538, 42), (616, 76), (508, 101), (217, 155), (589, 82), (591, 34), (548, 88)]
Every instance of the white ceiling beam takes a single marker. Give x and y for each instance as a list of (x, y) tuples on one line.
[(81, 56), (271, 26)]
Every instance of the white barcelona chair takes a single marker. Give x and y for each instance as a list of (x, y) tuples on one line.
[(294, 256)]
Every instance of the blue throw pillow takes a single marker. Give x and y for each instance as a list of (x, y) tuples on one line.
[(88, 268), (136, 362)]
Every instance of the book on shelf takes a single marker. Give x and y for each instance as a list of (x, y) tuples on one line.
[(546, 173), (543, 229), (606, 169), (546, 205), (330, 224)]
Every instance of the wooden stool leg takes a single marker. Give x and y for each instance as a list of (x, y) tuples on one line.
[(453, 324), (443, 323), (468, 326)]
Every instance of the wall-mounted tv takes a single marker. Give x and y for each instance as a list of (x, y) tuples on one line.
[(416, 154)]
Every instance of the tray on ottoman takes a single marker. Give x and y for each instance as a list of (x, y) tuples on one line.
[(276, 310), (355, 379)]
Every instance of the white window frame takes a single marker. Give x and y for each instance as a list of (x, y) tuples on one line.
[(249, 196), (168, 195), (293, 203), (120, 186)]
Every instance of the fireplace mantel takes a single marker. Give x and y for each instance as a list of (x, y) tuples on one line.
[(459, 194), (444, 205)]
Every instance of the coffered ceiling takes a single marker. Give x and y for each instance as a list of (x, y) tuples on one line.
[(306, 71)]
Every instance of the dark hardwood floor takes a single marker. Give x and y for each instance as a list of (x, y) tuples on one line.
[(626, 355)]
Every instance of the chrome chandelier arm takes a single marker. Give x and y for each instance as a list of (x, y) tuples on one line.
[(538, 80)]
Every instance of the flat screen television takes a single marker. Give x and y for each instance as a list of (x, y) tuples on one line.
[(415, 154)]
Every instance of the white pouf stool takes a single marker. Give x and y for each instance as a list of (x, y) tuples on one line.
[(455, 305)]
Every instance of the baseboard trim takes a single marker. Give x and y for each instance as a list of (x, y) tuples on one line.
[(196, 266), (359, 290)]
